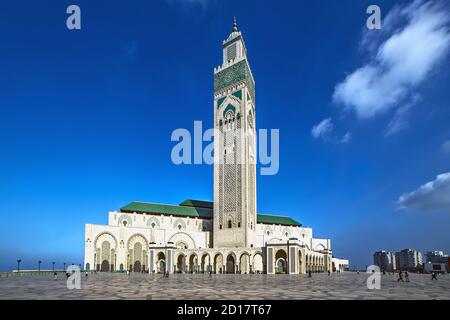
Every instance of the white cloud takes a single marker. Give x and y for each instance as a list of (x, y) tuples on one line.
[(399, 120), (346, 138), (325, 130), (446, 147), (399, 63), (433, 196)]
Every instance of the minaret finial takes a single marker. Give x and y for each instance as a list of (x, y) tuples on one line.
[(235, 25)]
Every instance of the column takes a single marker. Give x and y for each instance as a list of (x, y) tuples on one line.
[(270, 260), (292, 260), (151, 258)]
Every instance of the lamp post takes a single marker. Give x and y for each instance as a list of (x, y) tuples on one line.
[(39, 265), (53, 266), (18, 264), (64, 266)]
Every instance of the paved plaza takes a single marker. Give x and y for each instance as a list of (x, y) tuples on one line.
[(346, 285)]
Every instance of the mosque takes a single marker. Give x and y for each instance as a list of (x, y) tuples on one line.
[(222, 236)]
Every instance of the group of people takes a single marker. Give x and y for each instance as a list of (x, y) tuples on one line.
[(404, 276), (55, 274)]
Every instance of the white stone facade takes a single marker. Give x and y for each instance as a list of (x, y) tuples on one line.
[(191, 238)]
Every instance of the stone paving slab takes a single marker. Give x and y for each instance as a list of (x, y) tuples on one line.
[(346, 285)]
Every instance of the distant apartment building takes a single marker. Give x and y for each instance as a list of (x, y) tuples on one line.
[(436, 257), (436, 261), (385, 260), (408, 259)]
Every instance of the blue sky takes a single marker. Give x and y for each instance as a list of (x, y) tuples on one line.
[(86, 117)]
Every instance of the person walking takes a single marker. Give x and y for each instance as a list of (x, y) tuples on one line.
[(309, 273), (55, 276), (406, 276), (433, 276), (400, 277)]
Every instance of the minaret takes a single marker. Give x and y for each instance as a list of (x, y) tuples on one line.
[(234, 147)]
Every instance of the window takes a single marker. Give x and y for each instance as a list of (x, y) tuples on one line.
[(179, 227), (239, 224), (220, 227), (153, 225), (229, 120), (231, 52), (268, 233), (124, 223), (286, 234), (229, 224)]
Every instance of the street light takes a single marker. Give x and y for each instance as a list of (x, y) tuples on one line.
[(39, 263), (18, 264), (53, 266)]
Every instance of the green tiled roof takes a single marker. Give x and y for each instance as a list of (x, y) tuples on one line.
[(270, 219), (186, 211), (197, 209), (197, 203)]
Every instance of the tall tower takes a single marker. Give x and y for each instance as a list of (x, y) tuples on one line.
[(234, 147)]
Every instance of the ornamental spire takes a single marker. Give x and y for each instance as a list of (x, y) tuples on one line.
[(235, 25)]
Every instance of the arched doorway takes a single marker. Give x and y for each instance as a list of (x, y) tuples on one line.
[(181, 263), (244, 263), (230, 264), (280, 261), (218, 263), (258, 265), (137, 254), (105, 266), (88, 267), (192, 263), (161, 264), (105, 254), (205, 263), (137, 266), (281, 266)]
